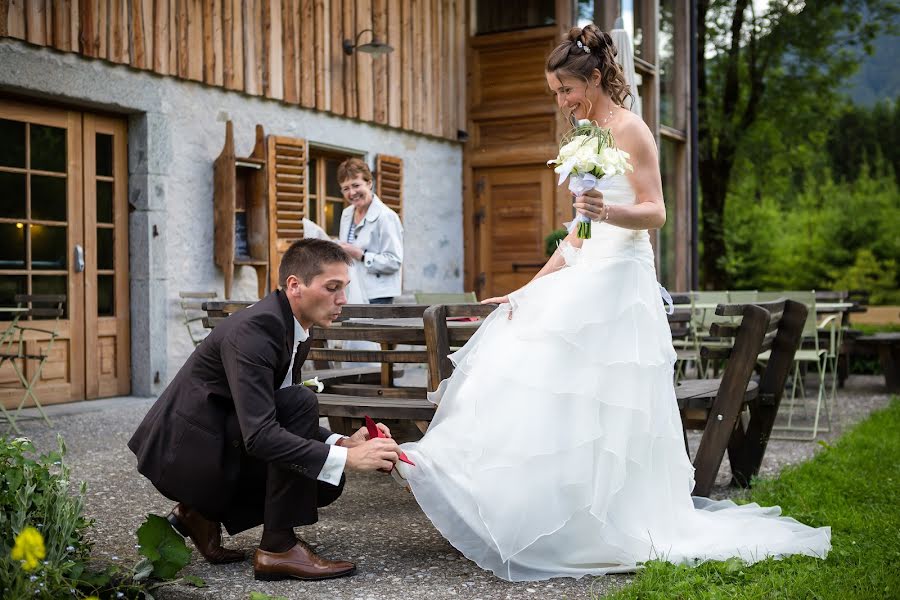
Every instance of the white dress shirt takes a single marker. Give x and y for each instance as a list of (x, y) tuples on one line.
[(337, 455)]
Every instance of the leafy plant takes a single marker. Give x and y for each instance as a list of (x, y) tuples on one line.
[(44, 551), (553, 239)]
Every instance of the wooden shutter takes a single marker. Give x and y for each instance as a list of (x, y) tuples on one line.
[(389, 181), (286, 162)]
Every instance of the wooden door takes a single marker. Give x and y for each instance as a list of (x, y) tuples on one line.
[(512, 216), (107, 349), (63, 195)]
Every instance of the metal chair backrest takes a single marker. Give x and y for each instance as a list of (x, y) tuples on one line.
[(193, 313)]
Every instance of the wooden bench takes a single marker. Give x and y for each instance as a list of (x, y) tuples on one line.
[(715, 405), (352, 392)]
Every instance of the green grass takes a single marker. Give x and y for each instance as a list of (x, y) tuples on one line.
[(853, 486)]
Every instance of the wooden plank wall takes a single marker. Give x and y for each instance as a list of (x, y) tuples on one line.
[(288, 50)]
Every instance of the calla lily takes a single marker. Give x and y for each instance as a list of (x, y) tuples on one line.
[(314, 383)]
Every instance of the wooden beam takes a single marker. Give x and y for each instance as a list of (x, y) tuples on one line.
[(336, 56), (364, 89), (394, 64), (321, 68), (307, 54), (349, 28), (288, 42), (380, 74), (209, 49), (406, 60), (35, 22)]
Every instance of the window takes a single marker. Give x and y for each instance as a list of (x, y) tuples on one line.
[(325, 200), (493, 16)]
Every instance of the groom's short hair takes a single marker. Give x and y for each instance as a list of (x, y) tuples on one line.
[(306, 258)]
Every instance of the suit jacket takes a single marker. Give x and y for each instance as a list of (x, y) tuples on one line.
[(222, 404)]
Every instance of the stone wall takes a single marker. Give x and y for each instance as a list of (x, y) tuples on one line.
[(175, 131)]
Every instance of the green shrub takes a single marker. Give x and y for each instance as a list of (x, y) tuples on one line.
[(552, 241), (44, 552), (35, 492)]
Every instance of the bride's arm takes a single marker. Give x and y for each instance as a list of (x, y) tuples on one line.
[(648, 212)]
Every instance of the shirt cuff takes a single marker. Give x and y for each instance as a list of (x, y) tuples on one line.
[(334, 465), (333, 438)]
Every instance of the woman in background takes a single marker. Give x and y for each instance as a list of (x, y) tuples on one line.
[(371, 233)]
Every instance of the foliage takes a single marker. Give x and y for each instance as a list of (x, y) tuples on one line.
[(553, 239), (851, 487), (165, 550), (827, 235), (44, 551), (34, 492), (767, 83)]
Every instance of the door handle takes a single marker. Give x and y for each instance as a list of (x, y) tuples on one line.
[(523, 266), (79, 258)]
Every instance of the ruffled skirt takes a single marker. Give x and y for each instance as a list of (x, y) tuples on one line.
[(557, 448)]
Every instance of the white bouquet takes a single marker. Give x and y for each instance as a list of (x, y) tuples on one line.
[(587, 154)]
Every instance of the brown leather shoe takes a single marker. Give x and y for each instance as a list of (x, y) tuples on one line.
[(206, 535), (300, 562)]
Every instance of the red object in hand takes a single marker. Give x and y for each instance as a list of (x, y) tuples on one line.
[(374, 432)]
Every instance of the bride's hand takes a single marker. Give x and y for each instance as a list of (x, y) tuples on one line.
[(590, 204), (496, 300)]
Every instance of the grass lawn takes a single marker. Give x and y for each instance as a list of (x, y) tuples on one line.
[(853, 486)]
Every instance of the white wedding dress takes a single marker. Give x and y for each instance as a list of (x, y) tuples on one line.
[(557, 448)]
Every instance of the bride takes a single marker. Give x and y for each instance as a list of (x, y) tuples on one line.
[(557, 448)]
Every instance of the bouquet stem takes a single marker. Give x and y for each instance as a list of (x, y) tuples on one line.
[(584, 230)]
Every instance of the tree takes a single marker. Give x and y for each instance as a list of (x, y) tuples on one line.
[(787, 64)]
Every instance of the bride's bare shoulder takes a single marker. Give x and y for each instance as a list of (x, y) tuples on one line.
[(633, 132)]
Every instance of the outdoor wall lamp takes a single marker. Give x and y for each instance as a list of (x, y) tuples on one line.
[(373, 47)]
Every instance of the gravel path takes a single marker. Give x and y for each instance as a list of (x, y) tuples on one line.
[(398, 552)]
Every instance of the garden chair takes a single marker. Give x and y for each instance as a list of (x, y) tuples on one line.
[(23, 343), (193, 313), (822, 341), (430, 298)]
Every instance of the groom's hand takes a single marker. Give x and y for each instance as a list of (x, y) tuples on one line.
[(379, 454), (363, 435)]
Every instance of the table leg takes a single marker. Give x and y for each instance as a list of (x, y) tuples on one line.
[(889, 354)]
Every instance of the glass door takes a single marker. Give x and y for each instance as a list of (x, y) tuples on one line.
[(63, 230)]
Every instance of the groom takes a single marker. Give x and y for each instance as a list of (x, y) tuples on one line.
[(236, 442)]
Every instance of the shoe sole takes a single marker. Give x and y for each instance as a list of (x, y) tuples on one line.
[(280, 577)]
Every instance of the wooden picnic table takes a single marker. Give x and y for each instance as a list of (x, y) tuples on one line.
[(888, 346)]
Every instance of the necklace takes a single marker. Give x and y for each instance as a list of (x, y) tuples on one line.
[(608, 117)]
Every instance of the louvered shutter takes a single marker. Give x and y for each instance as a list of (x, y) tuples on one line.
[(389, 181), (286, 161)]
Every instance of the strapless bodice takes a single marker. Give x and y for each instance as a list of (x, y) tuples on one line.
[(610, 241)]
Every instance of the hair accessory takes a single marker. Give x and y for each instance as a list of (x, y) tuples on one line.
[(583, 47)]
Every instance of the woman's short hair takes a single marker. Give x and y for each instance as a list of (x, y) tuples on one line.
[(352, 167), (307, 258)]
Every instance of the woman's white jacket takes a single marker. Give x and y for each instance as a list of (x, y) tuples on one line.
[(380, 235)]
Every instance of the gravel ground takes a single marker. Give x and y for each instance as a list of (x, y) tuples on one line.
[(375, 523)]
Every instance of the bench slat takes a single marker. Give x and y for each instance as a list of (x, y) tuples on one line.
[(382, 356)]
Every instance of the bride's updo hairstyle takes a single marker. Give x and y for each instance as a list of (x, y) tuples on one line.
[(582, 51)]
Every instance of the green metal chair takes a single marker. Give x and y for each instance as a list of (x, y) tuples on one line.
[(18, 348), (193, 313), (430, 299), (821, 345)]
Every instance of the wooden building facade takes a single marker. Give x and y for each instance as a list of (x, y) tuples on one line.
[(463, 86)]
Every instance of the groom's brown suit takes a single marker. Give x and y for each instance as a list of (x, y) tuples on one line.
[(226, 441)]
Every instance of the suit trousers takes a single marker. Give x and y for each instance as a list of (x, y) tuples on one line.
[(274, 494)]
